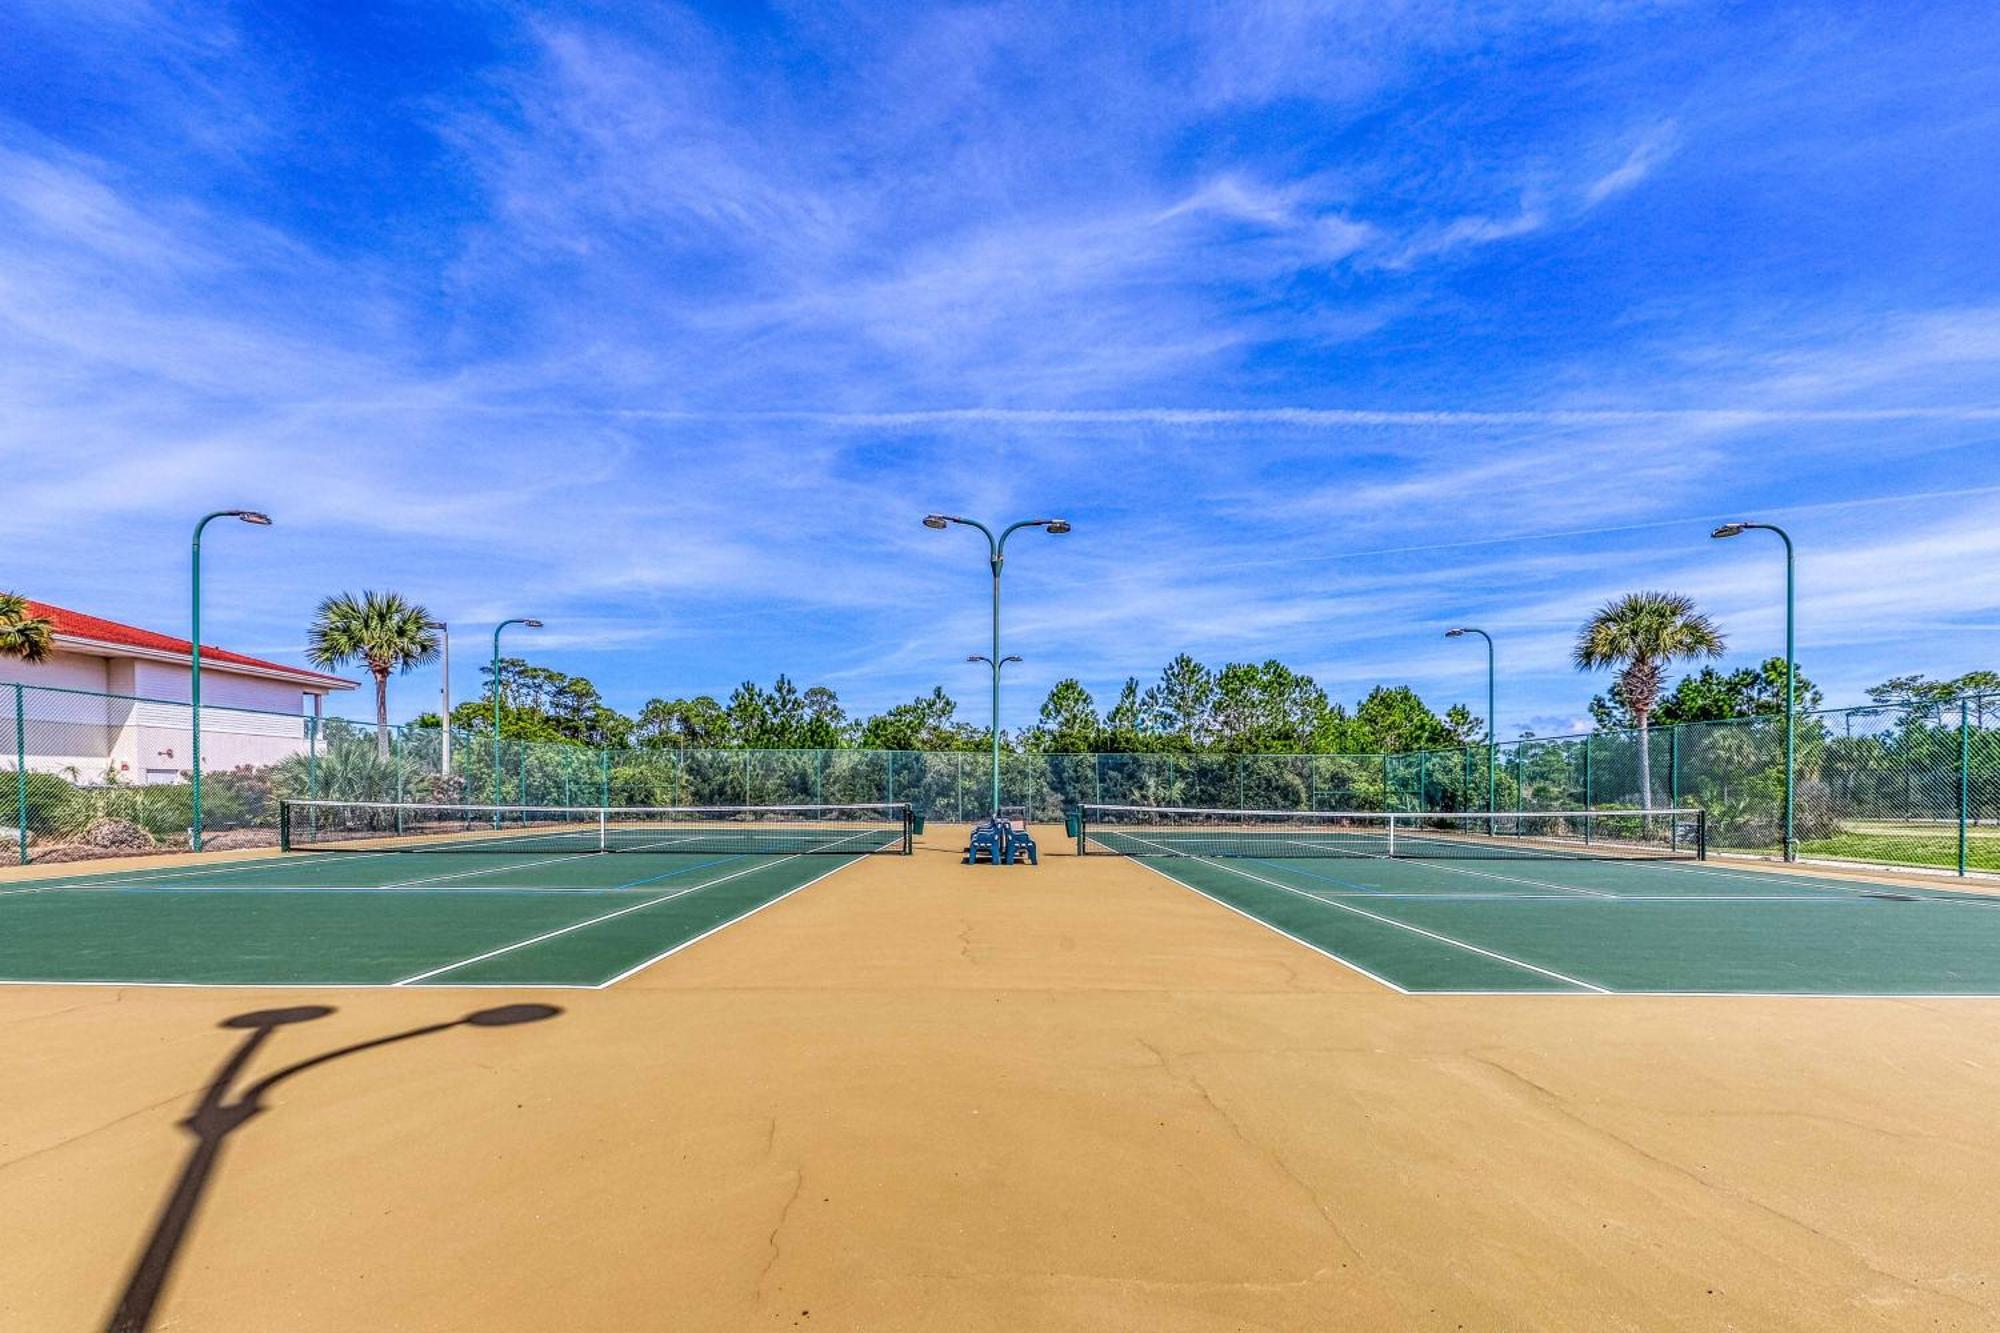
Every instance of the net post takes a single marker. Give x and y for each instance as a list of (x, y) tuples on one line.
[(1588, 788), (1674, 764), (1082, 829), (909, 830), (603, 828), (1701, 835), (1392, 835), (284, 826)]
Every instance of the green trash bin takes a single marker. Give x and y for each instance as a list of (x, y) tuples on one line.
[(1073, 821)]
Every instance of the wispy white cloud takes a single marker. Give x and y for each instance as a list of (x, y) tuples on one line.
[(1653, 148), (1308, 317)]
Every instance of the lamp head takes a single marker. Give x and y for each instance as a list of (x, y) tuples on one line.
[(938, 521), (1729, 530), (252, 516), (1057, 525), (979, 657), (1009, 658), (1454, 633), (532, 624)]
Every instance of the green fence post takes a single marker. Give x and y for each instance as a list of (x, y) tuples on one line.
[(312, 758), (21, 771), (396, 760), (604, 777), (1674, 766), (1587, 788), (524, 777), (1964, 776)]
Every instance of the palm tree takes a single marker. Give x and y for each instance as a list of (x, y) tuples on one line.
[(28, 638), (1640, 634), (380, 630)]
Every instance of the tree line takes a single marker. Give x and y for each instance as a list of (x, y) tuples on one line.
[(1237, 708)]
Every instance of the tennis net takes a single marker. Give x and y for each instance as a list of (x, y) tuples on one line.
[(523, 830), (1127, 830)]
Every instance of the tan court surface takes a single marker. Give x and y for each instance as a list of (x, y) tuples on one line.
[(920, 1096)]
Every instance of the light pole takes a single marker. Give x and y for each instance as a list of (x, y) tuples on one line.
[(982, 657), (1492, 722), (1791, 674), (531, 624), (194, 660), (997, 555), (444, 694)]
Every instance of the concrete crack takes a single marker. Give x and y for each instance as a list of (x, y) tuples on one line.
[(1261, 1149), (1559, 1106), (771, 1240)]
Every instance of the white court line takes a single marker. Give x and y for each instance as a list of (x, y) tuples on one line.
[(1404, 925), (1347, 963), (1446, 865), (596, 920), (142, 876), (1926, 996), (1474, 897), (564, 857), (668, 953), (1833, 883)]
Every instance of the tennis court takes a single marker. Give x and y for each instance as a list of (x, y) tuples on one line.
[(1578, 903), (380, 894)]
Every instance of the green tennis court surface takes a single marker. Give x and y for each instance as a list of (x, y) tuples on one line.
[(393, 919), (1584, 926)]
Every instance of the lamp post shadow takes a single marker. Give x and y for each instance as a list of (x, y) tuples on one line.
[(220, 1114)]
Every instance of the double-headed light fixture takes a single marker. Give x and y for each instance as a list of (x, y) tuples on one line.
[(996, 559)]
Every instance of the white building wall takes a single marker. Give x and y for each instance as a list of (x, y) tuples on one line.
[(141, 733), (63, 670)]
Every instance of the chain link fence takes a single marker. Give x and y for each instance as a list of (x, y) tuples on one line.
[(86, 774)]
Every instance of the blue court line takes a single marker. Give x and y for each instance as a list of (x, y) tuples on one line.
[(1281, 863), (654, 879)]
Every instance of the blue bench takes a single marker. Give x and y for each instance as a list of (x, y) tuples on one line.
[(1000, 842), (989, 840)]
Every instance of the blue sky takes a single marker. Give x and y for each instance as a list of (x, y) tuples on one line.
[(1327, 325)]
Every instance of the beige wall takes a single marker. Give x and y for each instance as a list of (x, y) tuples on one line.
[(147, 738)]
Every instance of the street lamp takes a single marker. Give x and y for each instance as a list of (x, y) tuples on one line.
[(444, 701), (1791, 674), (194, 659), (531, 624), (996, 558), (1492, 723)]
